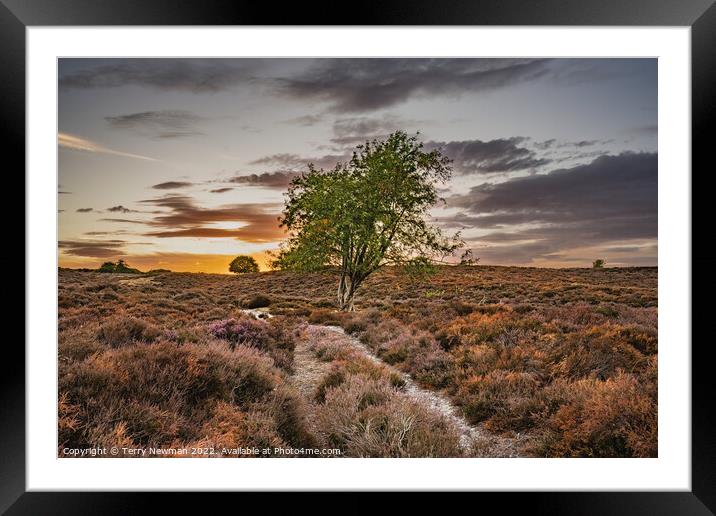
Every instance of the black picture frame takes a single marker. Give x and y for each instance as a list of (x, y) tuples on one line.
[(700, 15)]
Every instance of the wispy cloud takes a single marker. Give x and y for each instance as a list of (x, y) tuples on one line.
[(92, 248), (76, 143), (121, 209), (354, 85), (493, 156), (278, 179), (159, 124), (193, 75), (172, 185), (256, 223)]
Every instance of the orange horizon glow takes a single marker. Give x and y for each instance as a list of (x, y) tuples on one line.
[(219, 263), (178, 262)]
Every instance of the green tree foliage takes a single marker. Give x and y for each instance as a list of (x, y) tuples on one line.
[(598, 264), (119, 267), (243, 264), (366, 213)]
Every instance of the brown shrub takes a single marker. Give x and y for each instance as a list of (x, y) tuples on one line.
[(231, 428), (289, 414), (598, 352), (335, 377), (78, 343), (325, 316), (502, 397), (367, 418), (160, 392), (273, 337), (612, 418), (123, 330)]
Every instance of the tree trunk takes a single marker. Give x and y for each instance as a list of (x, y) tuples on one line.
[(346, 293)]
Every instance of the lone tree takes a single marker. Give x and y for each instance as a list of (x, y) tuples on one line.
[(598, 263), (367, 213), (243, 264)]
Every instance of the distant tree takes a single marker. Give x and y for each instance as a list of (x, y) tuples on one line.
[(467, 258), (107, 267), (598, 263), (366, 213), (124, 268), (119, 267), (243, 264)]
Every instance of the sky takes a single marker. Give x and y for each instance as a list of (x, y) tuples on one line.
[(183, 163)]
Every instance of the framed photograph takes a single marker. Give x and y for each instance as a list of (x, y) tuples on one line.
[(434, 249)]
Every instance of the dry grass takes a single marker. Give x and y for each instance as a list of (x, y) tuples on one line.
[(568, 356)]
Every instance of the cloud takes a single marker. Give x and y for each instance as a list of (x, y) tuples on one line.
[(305, 120), (493, 156), (105, 233), (84, 210), (192, 75), (159, 124), (121, 209), (221, 190), (126, 221), (354, 85), (92, 248), (294, 162), (611, 199), (354, 130), (76, 143), (257, 223), (276, 179), (172, 185)]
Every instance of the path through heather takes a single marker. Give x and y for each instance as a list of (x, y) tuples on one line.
[(308, 371), (474, 440)]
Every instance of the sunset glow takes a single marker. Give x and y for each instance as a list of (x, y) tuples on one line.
[(182, 163)]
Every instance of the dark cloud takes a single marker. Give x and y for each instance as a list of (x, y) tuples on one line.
[(546, 144), (193, 75), (159, 124), (353, 85), (121, 209), (92, 248), (172, 185), (84, 210), (257, 222), (493, 156), (613, 198), (278, 179), (127, 221), (221, 190), (106, 233), (586, 143)]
